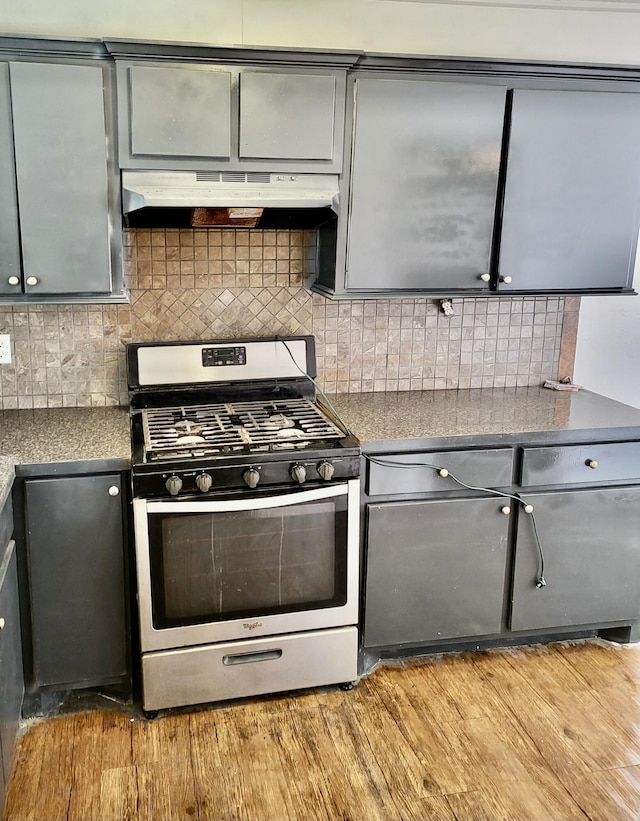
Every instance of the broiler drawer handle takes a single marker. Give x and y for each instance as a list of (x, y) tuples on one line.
[(247, 658)]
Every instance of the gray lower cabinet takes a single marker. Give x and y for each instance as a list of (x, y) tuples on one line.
[(435, 570), (446, 562), (58, 196), (590, 544), (77, 580), (11, 676), (230, 118)]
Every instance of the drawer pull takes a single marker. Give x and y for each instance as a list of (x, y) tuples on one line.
[(247, 658), (443, 472), (2, 622), (591, 463)]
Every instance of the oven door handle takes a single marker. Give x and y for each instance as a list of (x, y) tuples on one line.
[(261, 503)]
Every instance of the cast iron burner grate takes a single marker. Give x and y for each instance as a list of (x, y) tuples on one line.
[(234, 426)]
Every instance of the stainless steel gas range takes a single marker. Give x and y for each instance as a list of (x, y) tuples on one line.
[(246, 514)]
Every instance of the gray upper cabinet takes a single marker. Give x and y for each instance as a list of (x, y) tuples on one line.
[(474, 187), (287, 116), (179, 112), (9, 226), (424, 181), (205, 117), (64, 196), (570, 216)]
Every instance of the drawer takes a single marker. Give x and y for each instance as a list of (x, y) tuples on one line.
[(576, 464), (404, 473), (218, 672)]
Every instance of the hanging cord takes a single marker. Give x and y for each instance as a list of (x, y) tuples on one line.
[(338, 418), (527, 507)]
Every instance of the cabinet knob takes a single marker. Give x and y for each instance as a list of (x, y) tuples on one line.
[(114, 490), (506, 510), (485, 277), (528, 508), (32, 280), (506, 280), (2, 622), (591, 463), (443, 472), (14, 280)]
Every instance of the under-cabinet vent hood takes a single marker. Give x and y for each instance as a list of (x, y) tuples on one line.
[(226, 189)]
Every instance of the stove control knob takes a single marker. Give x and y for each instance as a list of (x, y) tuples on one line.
[(298, 473), (251, 477), (173, 485), (203, 482), (326, 471)]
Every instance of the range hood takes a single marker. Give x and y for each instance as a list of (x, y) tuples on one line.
[(227, 189)]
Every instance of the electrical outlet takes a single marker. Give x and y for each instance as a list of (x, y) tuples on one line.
[(5, 349)]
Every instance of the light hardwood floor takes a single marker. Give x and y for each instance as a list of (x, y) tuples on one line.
[(535, 734)]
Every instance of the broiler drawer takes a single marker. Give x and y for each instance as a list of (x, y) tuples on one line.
[(576, 464), (402, 473)]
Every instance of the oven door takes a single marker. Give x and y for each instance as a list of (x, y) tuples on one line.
[(211, 571)]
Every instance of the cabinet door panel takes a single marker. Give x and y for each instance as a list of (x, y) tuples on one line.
[(435, 570), (570, 212), (180, 112), (61, 166), (11, 678), (9, 230), (76, 577), (591, 549), (287, 116), (423, 187)]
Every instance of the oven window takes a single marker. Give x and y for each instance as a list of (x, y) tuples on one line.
[(214, 566)]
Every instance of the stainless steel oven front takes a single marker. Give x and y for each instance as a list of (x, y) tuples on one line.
[(247, 594)]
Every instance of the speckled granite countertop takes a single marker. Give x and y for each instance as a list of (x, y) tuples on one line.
[(387, 417), (48, 435)]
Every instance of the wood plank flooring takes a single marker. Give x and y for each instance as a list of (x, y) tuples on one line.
[(531, 734)]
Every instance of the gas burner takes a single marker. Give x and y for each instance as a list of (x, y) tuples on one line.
[(188, 433), (230, 427)]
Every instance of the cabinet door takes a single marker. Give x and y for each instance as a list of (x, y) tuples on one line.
[(570, 217), (9, 231), (179, 112), (287, 116), (423, 184), (11, 678), (589, 540), (77, 579), (61, 166), (434, 570)]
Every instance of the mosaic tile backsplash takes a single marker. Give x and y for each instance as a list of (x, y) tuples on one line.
[(225, 283)]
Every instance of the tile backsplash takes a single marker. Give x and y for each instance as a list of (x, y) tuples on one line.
[(219, 283)]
